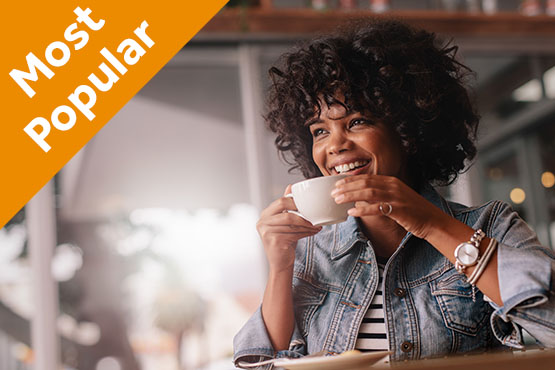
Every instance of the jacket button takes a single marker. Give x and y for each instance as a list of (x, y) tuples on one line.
[(406, 346), (400, 292)]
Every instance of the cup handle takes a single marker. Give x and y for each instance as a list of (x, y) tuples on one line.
[(290, 195)]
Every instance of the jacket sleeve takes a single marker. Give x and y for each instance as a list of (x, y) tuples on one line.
[(252, 346), (526, 281)]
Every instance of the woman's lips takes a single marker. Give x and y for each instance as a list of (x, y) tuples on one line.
[(359, 170), (356, 171)]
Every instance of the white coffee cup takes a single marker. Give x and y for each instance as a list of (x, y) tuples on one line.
[(315, 203)]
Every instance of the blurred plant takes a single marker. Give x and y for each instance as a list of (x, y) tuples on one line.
[(178, 309)]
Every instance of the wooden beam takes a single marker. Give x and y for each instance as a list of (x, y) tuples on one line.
[(266, 4), (307, 21)]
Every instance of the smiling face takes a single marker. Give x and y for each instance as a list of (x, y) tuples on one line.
[(353, 143)]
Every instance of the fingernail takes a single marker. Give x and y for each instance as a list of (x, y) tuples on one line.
[(351, 211), (334, 192), (340, 182), (339, 198)]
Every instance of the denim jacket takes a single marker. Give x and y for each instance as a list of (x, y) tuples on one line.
[(428, 305)]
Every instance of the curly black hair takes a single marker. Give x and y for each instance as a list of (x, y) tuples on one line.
[(404, 77)]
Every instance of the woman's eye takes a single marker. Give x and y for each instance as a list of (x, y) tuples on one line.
[(358, 122), (317, 132)]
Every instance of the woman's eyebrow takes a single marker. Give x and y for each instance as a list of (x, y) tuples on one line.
[(313, 121)]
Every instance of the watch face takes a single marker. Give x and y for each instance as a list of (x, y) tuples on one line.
[(467, 254)]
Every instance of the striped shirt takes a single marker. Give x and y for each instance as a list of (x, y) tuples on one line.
[(371, 334)]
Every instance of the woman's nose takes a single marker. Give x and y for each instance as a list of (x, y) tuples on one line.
[(337, 142)]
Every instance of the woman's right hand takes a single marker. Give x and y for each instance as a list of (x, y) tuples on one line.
[(280, 230)]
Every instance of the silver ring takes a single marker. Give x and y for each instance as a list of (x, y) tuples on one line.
[(389, 208)]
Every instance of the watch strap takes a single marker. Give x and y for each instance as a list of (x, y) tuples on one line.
[(475, 240)]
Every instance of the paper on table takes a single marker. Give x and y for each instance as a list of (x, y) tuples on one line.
[(355, 360)]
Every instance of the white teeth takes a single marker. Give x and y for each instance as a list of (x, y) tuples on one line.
[(350, 166)]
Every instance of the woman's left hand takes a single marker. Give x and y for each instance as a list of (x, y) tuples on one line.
[(408, 208)]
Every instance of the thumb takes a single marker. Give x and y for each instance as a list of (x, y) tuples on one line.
[(287, 190)]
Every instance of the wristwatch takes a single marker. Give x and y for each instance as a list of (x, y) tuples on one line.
[(467, 253)]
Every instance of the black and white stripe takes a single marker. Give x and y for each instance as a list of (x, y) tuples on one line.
[(372, 334)]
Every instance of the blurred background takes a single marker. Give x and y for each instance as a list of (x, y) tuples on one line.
[(153, 261)]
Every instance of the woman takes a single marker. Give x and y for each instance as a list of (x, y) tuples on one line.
[(408, 272)]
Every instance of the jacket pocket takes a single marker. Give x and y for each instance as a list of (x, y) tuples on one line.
[(454, 297), (306, 300)]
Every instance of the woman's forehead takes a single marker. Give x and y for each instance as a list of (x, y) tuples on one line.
[(334, 111)]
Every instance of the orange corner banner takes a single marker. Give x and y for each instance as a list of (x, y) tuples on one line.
[(68, 67)]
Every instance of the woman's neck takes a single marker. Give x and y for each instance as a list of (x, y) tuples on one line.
[(384, 234)]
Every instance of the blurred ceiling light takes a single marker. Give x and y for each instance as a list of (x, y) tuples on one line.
[(135, 242), (548, 179), (87, 333), (495, 173), (529, 92), (66, 261), (66, 325), (108, 363), (549, 82), (517, 195)]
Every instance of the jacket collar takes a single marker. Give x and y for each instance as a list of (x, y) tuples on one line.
[(431, 194), (346, 235), (349, 232)]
